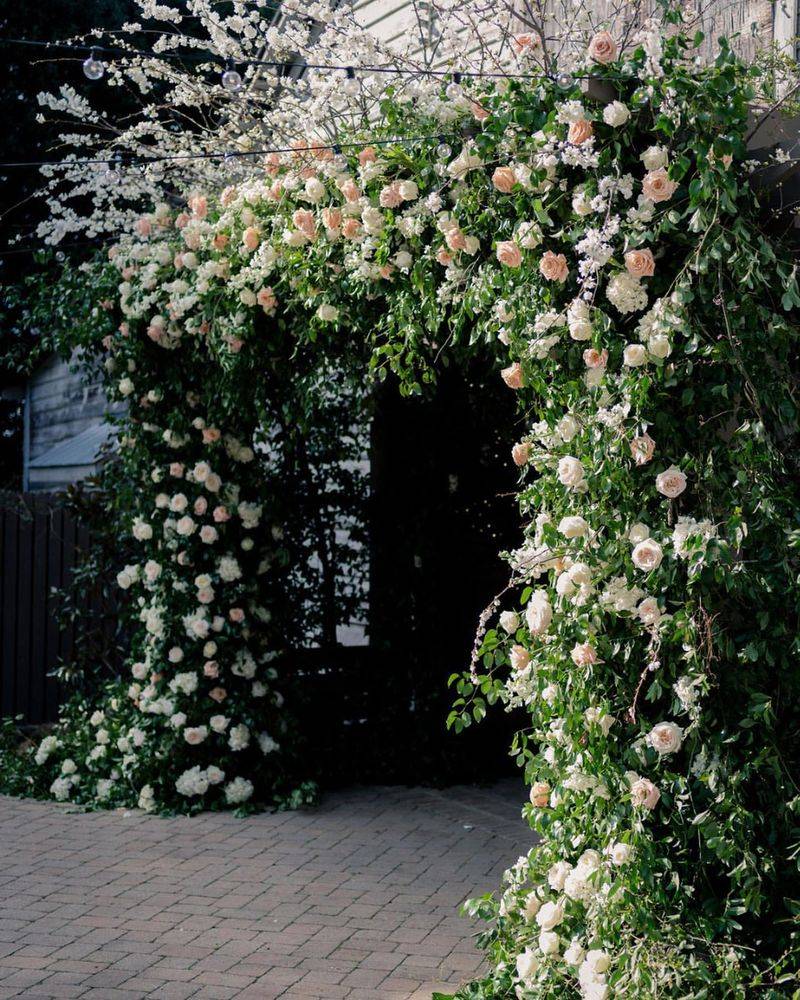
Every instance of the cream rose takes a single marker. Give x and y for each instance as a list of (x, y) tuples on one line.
[(647, 555), (634, 356), (550, 915), (540, 794), (519, 657), (665, 738), (570, 472), (573, 526), (671, 483)]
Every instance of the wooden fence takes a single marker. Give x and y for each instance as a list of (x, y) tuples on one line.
[(40, 541)]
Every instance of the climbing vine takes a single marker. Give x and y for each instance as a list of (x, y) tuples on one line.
[(605, 245)]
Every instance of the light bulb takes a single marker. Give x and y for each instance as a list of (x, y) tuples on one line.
[(231, 79), (93, 68), (443, 151), (564, 80)]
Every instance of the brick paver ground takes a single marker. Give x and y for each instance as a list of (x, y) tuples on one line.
[(356, 899)]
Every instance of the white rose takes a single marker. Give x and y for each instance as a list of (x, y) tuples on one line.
[(185, 526), (620, 854), (615, 114), (647, 555), (649, 612), (408, 190), (671, 483), (638, 533), (665, 738), (634, 355), (659, 346), (570, 472), (557, 875), (327, 313), (567, 428), (527, 964), (597, 961), (550, 915), (509, 620), (315, 190), (549, 943), (125, 386), (539, 613), (531, 907), (403, 260), (574, 955), (573, 527), (654, 157)]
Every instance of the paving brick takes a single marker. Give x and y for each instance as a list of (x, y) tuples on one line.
[(355, 900)]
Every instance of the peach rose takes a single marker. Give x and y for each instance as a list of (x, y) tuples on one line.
[(218, 694), (198, 206), (350, 190), (593, 358), (332, 218), (522, 43), (603, 48), (211, 435), (642, 448), (220, 241), (390, 196), (521, 453), (580, 131), (367, 155), (265, 297), (479, 112), (176, 469), (351, 229), (509, 254), (221, 515), (455, 239), (520, 657), (504, 179), (236, 614), (272, 164), (444, 257), (657, 186), (640, 263), (143, 227), (584, 654), (644, 793), (305, 222), (540, 794), (251, 238), (512, 376), (553, 266), (200, 506)]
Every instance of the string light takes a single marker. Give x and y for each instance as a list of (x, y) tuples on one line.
[(564, 80), (93, 68), (231, 78), (284, 66)]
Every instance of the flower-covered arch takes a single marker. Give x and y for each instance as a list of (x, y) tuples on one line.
[(611, 256)]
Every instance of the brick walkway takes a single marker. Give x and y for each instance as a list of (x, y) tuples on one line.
[(357, 899)]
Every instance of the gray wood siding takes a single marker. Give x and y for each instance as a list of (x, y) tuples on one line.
[(62, 405)]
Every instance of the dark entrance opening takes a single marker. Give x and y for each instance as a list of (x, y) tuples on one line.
[(441, 506)]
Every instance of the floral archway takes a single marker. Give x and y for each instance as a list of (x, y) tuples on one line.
[(605, 245)]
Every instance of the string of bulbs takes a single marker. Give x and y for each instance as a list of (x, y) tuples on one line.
[(231, 80)]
